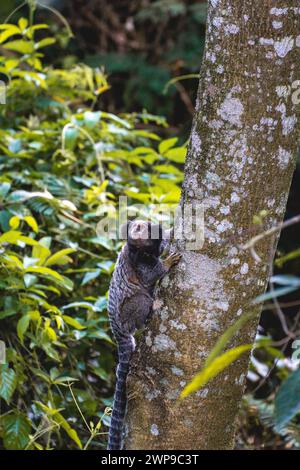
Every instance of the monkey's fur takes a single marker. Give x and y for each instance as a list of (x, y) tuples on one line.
[(130, 300)]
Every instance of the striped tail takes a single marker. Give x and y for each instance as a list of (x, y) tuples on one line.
[(125, 347)]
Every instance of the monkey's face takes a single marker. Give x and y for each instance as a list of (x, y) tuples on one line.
[(143, 235), (138, 231)]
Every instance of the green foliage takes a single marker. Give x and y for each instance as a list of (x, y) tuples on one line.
[(64, 163), (176, 30), (217, 361), (8, 382), (263, 412), (212, 369), (16, 428), (294, 254), (287, 401), (290, 284)]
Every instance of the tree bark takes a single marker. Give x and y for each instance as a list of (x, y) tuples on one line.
[(240, 161)]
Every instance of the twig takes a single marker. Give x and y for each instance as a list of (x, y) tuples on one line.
[(251, 243), (263, 381), (185, 98), (78, 407), (279, 311)]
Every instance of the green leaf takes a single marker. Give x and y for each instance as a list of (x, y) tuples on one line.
[(8, 33), (40, 251), (4, 189), (51, 333), (14, 222), (288, 257), (23, 23), (11, 306), (67, 283), (176, 154), (60, 257), (287, 400), (275, 293), (16, 429), (44, 42), (80, 305), (116, 119), (143, 151), (91, 119), (72, 322), (70, 135), (227, 335), (168, 169), (139, 196), (8, 26), (15, 237), (90, 276), (15, 146), (8, 382), (43, 271), (70, 431), (28, 261), (286, 280), (7, 313), (4, 220), (41, 374), (59, 419), (22, 326), (46, 242), (27, 240), (32, 223), (39, 26), (214, 368), (167, 144), (101, 335), (19, 45), (100, 373), (10, 64)]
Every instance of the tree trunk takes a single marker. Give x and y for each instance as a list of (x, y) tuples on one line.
[(240, 162)]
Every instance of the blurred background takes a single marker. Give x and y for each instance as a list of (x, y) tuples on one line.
[(141, 44), (151, 53)]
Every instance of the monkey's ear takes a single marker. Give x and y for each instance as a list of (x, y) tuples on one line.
[(123, 230)]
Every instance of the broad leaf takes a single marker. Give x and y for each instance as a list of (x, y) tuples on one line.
[(8, 382), (22, 326), (176, 154), (24, 47), (16, 429), (287, 400), (214, 368), (167, 144), (60, 257), (72, 322)]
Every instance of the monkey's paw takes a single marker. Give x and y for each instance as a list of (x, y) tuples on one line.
[(172, 259)]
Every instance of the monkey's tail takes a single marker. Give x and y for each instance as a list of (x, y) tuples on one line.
[(125, 349)]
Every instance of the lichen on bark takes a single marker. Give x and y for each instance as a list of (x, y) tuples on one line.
[(240, 161)]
